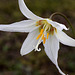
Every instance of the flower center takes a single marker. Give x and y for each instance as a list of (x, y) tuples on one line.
[(45, 30)]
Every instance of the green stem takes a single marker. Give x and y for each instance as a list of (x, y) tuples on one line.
[(58, 13)]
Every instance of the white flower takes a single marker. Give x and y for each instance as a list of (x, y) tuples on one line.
[(40, 30)]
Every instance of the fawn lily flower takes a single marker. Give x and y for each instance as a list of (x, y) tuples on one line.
[(40, 30)]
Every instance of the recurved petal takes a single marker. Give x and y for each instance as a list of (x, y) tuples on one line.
[(26, 12), (51, 49), (22, 26), (29, 43), (57, 25), (65, 39)]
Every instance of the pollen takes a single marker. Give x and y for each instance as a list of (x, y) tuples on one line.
[(43, 37), (38, 36), (47, 35), (44, 40), (41, 31), (45, 30)]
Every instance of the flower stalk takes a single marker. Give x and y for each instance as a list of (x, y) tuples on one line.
[(69, 23)]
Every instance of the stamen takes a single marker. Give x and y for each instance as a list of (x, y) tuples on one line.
[(47, 35), (42, 36), (41, 31), (38, 36), (45, 30), (44, 40)]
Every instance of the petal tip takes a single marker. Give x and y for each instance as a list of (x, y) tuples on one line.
[(22, 53)]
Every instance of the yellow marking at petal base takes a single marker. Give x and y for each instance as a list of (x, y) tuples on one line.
[(41, 31), (52, 32), (44, 40), (38, 36), (55, 30), (47, 35)]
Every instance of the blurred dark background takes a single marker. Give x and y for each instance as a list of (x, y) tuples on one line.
[(34, 63)]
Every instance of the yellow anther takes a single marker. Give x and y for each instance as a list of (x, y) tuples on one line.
[(43, 37), (41, 32), (44, 40), (47, 35), (38, 36)]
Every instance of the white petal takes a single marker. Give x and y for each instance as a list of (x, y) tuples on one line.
[(23, 26), (29, 43), (51, 49), (57, 25), (26, 12), (65, 39)]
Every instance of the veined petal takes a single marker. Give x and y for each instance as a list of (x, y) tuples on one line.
[(57, 25), (22, 26), (29, 43), (51, 49), (26, 12), (65, 39)]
